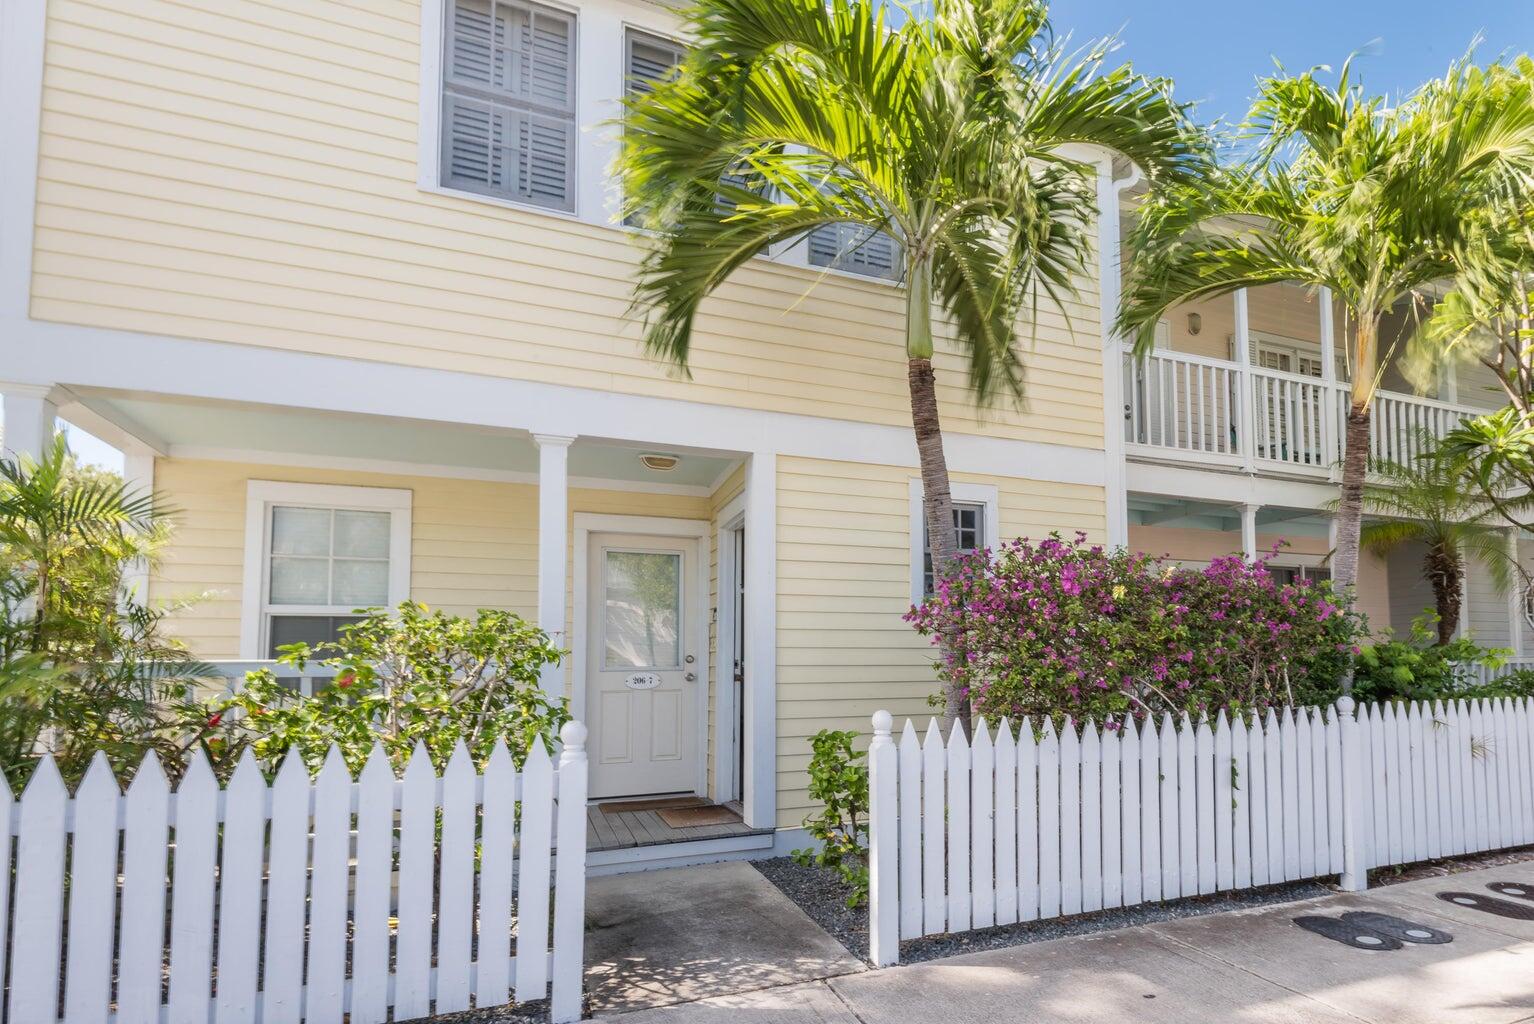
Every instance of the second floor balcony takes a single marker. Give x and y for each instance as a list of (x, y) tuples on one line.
[(1193, 408)]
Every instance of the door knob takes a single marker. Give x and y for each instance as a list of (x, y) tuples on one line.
[(691, 677)]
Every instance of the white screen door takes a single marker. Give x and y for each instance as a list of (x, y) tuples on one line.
[(642, 662)]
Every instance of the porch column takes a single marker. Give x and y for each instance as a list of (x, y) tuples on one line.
[(1515, 597), (1243, 353), (1330, 428), (553, 546), (759, 788), (1249, 531), (29, 419), (1450, 382), (138, 474)]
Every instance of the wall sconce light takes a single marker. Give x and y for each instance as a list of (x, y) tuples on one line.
[(1195, 323)]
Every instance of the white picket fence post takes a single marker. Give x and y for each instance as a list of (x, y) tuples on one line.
[(269, 876), (883, 845), (570, 878), (965, 835)]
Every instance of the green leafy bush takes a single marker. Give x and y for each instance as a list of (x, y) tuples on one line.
[(1419, 668), (839, 780), (415, 677)]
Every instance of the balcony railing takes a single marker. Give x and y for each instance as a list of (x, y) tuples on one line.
[(1191, 407)]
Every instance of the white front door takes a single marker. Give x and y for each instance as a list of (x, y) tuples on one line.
[(643, 662)]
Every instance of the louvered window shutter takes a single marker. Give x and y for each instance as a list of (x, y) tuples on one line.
[(856, 250), (651, 59), (508, 104)]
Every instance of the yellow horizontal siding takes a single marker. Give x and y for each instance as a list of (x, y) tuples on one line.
[(474, 544), (245, 173), (844, 583)]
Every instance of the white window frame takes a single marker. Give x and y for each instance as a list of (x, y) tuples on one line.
[(434, 15), (986, 495), (261, 496)]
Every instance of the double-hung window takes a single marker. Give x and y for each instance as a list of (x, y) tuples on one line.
[(968, 535), (508, 102), (318, 555)]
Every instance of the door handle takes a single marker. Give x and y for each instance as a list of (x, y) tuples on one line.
[(691, 677)]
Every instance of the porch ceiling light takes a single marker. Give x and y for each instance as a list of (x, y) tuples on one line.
[(658, 462)]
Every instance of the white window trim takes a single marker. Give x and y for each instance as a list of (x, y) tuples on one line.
[(970, 494), (261, 495)]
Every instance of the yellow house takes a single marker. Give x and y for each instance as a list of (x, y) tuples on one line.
[(271, 249), (343, 280)]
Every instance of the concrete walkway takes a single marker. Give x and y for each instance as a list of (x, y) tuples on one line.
[(1249, 966)]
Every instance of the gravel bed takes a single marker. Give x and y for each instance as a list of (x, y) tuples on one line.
[(821, 895), (1444, 868), (534, 1012)]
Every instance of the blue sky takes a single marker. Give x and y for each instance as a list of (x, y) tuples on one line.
[(1214, 49)]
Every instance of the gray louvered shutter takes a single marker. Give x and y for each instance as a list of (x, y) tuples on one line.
[(508, 108), (651, 59), (855, 249)]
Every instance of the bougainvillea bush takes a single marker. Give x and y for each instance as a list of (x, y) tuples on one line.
[(1064, 628)]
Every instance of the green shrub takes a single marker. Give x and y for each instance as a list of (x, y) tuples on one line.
[(839, 780), (416, 677), (1418, 668)]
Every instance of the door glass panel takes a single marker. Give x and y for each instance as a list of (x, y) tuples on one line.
[(642, 610)]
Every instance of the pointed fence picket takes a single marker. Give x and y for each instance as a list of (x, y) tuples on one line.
[(303, 873), (1042, 819)]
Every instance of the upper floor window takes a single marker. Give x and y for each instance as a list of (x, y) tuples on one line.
[(649, 59), (855, 249), (508, 101)]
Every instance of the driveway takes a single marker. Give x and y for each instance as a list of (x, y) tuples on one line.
[(1248, 966)]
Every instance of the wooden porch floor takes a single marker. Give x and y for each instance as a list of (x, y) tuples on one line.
[(616, 829)]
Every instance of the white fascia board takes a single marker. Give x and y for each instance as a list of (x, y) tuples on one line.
[(1227, 488)]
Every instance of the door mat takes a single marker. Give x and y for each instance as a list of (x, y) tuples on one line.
[(692, 817), (658, 804)]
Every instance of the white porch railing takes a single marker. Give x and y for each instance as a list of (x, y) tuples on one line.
[(230, 675), (1190, 407)]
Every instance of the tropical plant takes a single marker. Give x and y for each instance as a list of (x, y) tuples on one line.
[(1344, 191), (839, 780), (1060, 627), (84, 664), (413, 677), (1418, 668), (1426, 502), (950, 134)]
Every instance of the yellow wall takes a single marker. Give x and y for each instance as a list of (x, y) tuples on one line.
[(246, 172), (844, 581), (473, 543)]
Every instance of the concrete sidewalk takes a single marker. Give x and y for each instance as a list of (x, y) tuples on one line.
[(1247, 966)]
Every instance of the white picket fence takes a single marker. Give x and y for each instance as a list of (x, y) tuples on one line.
[(1032, 825), (284, 900)]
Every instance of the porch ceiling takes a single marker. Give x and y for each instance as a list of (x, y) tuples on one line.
[(1156, 510), (185, 427)]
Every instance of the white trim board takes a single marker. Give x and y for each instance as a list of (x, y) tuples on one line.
[(728, 524), (46, 353), (697, 530), (261, 495)]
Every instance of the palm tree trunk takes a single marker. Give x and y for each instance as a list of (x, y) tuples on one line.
[(1355, 468), (1442, 568), (937, 497)]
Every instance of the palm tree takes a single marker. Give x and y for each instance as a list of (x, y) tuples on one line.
[(948, 134), (1427, 503), (1346, 193)]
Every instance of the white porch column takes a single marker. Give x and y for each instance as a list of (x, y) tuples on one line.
[(138, 474), (1450, 382), (553, 546), (1249, 531), (759, 788), (29, 419), (1110, 288), (1515, 597), (1243, 354), (1330, 427)]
